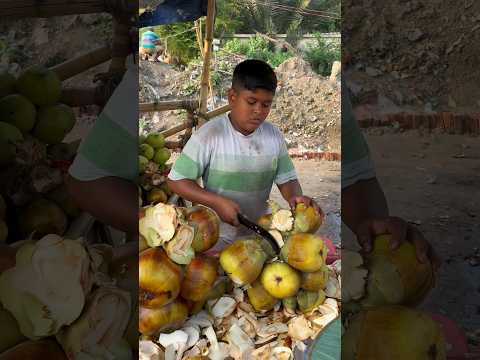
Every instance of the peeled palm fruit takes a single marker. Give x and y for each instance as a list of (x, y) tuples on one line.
[(396, 277), (40, 85), (157, 223), (393, 333), (17, 110), (179, 249), (7, 84), (280, 280), (282, 220), (43, 217), (162, 319), (260, 298), (354, 275), (207, 224), (159, 278), (307, 219), (155, 140), (310, 300), (305, 252), (243, 261), (161, 156), (146, 151), (200, 276), (314, 281), (53, 123)]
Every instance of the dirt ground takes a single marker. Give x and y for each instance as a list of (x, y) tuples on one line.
[(433, 180)]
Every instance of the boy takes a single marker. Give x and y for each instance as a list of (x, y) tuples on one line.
[(238, 156)]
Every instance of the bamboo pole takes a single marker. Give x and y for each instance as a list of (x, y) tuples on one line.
[(81, 63), (218, 111), (186, 125), (173, 144), (79, 96), (168, 105), (206, 59)]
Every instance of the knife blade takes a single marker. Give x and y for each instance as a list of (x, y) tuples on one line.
[(259, 231)]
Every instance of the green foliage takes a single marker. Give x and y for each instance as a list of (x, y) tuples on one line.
[(257, 48), (252, 16), (321, 55)]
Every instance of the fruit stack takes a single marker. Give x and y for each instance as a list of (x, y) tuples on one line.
[(153, 169), (256, 304), (380, 290), (33, 156)]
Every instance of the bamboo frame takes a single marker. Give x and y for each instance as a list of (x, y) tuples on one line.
[(82, 63), (79, 96), (187, 104), (206, 59), (176, 129), (218, 111)]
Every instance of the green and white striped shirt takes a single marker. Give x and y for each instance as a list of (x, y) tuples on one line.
[(357, 163), (241, 168), (111, 146)]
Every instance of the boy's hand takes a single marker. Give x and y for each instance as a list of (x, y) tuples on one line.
[(227, 210), (401, 231), (293, 201)]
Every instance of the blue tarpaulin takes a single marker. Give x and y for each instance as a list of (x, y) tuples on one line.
[(174, 11)]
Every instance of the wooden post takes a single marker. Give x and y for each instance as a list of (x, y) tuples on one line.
[(206, 59), (82, 63)]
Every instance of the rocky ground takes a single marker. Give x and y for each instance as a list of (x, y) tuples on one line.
[(412, 56), (306, 107)]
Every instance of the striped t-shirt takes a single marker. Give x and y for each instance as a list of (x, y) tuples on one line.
[(356, 160), (240, 167), (111, 147), (149, 39)]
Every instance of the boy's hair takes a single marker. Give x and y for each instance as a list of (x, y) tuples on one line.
[(254, 74)]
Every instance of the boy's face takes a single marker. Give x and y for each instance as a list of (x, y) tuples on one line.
[(249, 108)]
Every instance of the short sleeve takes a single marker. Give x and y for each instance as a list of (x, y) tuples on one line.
[(192, 162), (111, 146), (285, 168), (356, 160)]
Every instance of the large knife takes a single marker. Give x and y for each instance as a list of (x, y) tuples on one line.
[(259, 231)]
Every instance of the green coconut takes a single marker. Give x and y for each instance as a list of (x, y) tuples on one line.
[(18, 111), (53, 123), (40, 85)]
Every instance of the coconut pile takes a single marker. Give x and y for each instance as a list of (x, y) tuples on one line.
[(195, 305), (34, 156), (306, 106)]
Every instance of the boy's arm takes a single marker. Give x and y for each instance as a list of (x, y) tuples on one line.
[(112, 200), (188, 189)]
